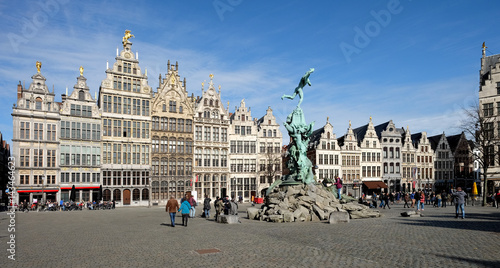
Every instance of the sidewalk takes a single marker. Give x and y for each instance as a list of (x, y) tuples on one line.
[(139, 237)]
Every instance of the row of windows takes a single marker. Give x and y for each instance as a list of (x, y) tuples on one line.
[(172, 124), (38, 104), (411, 172), (38, 157), (389, 168), (37, 179), (210, 134), (208, 157), (270, 166), (268, 147), (77, 130), (172, 145), (243, 130), (269, 133), (370, 157), (370, 171), (350, 160), (325, 159), (243, 165), (81, 110), (67, 177), (243, 147), (126, 153), (443, 164), (172, 166), (125, 128), (125, 177), (328, 145), (391, 152), (126, 83), (38, 131), (80, 155), (125, 105)]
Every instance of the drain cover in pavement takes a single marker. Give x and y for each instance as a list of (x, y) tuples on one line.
[(207, 251)]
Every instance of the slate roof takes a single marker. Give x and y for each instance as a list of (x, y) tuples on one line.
[(360, 132), (489, 61), (415, 139), (434, 141), (316, 135), (453, 141)]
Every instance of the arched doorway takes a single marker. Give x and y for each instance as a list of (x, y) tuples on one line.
[(126, 197)]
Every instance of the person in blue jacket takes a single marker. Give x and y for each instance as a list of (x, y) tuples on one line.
[(185, 208)]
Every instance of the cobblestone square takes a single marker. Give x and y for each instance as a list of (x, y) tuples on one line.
[(142, 237)]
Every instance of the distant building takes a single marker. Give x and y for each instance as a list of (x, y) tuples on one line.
[(124, 99), (35, 141), (172, 112), (324, 153), (270, 142), (489, 105), (211, 145), (443, 163), (80, 144), (463, 163)]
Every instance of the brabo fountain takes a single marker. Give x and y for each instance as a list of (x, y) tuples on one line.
[(297, 196)]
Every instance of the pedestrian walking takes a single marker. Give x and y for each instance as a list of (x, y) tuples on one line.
[(219, 207), (338, 184), (206, 206), (185, 209), (439, 200), (387, 199), (422, 200), (171, 208), (407, 201), (192, 202), (412, 197), (444, 198), (459, 197)]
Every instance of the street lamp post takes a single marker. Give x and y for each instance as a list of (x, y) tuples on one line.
[(149, 193)]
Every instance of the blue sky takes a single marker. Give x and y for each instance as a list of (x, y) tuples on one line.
[(415, 62)]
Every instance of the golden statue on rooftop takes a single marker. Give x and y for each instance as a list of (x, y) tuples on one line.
[(81, 70), (127, 36), (38, 66)]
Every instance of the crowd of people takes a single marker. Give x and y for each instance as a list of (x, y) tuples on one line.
[(50, 205), (421, 198), (187, 208)]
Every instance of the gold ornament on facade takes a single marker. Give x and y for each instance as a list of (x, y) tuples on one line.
[(38, 66), (127, 36), (211, 77), (81, 70)]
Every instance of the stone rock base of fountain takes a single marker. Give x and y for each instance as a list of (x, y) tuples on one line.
[(307, 203)]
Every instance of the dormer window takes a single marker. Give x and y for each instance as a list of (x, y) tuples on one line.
[(27, 104), (38, 104), (81, 95)]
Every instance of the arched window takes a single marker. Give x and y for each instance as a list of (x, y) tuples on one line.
[(106, 195), (269, 133), (117, 195), (136, 195), (155, 189), (145, 194), (81, 95)]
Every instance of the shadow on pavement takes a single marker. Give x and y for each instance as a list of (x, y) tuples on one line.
[(472, 261)]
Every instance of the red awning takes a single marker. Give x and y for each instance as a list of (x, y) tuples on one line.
[(81, 187), (375, 184), (38, 191)]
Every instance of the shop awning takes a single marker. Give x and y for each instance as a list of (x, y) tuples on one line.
[(81, 188), (375, 184), (38, 191)]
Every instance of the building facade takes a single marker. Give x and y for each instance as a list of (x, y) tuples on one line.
[(444, 163), (124, 99), (243, 154), (211, 145), (270, 142), (172, 134), (35, 141), (80, 144)]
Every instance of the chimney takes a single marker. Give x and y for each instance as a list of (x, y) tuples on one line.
[(19, 90), (168, 66)]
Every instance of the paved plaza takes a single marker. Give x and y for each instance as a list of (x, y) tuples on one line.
[(143, 237)]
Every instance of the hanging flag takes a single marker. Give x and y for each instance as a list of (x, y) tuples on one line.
[(196, 178)]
